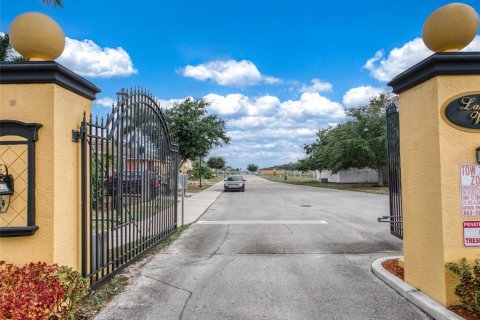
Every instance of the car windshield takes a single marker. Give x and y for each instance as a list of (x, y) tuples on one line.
[(235, 178)]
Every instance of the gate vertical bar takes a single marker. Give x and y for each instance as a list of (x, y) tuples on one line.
[(394, 172), (83, 136)]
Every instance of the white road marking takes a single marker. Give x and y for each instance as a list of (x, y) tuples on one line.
[(263, 222)]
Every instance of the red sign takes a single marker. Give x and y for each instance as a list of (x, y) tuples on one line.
[(471, 233), (470, 190)]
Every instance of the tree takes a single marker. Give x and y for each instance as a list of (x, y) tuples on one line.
[(360, 142), (216, 163), (195, 131), (202, 171), (252, 167), (7, 53)]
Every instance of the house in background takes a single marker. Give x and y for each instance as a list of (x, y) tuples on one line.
[(365, 175), (273, 171)]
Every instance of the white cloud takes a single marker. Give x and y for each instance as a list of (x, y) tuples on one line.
[(252, 122), (226, 105), (309, 104), (240, 104), (89, 59), (105, 102), (230, 73), (385, 67), (267, 131), (312, 104), (316, 86), (168, 103), (360, 96)]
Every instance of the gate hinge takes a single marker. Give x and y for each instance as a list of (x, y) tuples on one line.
[(76, 136)]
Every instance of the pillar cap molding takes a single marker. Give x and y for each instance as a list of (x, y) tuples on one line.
[(46, 72), (438, 64)]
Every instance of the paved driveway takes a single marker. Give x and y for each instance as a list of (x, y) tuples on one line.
[(276, 251)]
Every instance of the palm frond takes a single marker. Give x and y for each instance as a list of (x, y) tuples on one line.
[(55, 3)]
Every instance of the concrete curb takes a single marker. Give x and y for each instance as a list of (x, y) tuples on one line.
[(204, 211), (415, 296), (198, 204)]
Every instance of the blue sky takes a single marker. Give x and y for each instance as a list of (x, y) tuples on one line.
[(276, 70)]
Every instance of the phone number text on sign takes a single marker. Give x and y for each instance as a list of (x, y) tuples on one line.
[(470, 193)]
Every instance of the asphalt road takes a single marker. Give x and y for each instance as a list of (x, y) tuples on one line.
[(276, 251)]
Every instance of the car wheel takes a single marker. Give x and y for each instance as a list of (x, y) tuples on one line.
[(243, 190)]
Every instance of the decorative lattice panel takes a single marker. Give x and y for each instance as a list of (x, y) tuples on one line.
[(15, 157)]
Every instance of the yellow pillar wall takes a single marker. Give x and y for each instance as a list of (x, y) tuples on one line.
[(431, 154), (57, 194)]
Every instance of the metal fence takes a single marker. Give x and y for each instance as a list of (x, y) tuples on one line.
[(129, 183), (394, 173)]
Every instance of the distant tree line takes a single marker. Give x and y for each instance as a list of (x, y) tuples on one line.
[(359, 142)]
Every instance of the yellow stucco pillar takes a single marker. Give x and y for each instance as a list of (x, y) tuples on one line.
[(55, 97), (432, 150)]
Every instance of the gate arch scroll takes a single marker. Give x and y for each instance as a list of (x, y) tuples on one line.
[(129, 180)]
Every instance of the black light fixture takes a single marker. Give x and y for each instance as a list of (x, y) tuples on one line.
[(6, 189), (478, 155)]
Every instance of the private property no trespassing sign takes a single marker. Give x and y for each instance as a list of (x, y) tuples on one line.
[(471, 233)]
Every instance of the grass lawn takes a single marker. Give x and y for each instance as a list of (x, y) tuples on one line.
[(308, 181), (194, 187)]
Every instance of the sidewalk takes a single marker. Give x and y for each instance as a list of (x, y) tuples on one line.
[(197, 204)]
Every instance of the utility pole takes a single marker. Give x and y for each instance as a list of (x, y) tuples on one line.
[(200, 172)]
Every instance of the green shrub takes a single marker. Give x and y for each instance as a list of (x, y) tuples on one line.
[(206, 171), (76, 290), (468, 290)]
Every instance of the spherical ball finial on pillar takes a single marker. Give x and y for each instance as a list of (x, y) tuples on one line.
[(450, 28), (37, 37)]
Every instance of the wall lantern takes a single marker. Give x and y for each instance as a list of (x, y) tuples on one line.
[(6, 188), (478, 155), (17, 141)]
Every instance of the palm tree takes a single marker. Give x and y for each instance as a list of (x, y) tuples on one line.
[(55, 3), (7, 54), (4, 47)]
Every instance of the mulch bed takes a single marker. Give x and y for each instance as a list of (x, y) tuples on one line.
[(394, 268), (462, 312)]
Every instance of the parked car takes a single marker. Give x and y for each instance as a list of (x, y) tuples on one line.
[(132, 182), (236, 182)]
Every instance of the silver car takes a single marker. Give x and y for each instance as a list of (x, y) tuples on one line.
[(235, 183)]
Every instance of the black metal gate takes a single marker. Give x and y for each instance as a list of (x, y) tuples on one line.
[(394, 173), (130, 201)]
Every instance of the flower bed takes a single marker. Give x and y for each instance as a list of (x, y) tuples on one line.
[(394, 268), (40, 291)]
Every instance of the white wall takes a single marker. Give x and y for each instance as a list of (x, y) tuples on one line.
[(349, 176)]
